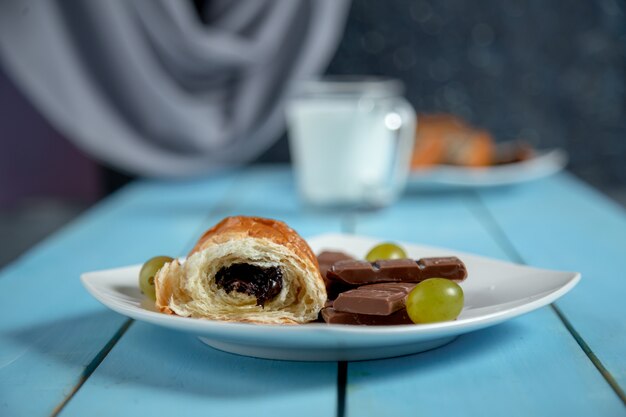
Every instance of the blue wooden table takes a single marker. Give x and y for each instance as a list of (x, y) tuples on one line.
[(62, 353)]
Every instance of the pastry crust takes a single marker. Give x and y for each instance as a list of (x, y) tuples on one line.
[(189, 289)]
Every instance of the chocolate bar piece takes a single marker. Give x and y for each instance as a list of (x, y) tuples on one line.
[(397, 270), (326, 259), (332, 316), (375, 299)]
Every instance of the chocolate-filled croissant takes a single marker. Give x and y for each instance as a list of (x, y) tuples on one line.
[(245, 269)]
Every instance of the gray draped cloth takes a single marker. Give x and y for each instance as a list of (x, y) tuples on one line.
[(149, 87)]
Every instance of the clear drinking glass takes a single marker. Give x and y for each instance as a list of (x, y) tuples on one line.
[(351, 140)]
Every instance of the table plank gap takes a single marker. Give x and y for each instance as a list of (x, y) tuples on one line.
[(562, 223), (56, 358), (490, 224), (435, 382), (225, 202), (191, 375), (342, 379), (592, 356), (484, 215), (92, 366)]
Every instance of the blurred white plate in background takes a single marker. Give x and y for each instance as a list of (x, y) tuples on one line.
[(543, 164)]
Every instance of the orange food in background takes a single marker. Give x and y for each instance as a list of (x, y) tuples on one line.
[(447, 139)]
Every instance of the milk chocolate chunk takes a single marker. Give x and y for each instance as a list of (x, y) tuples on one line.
[(374, 299), (449, 267), (332, 316), (397, 270), (327, 259)]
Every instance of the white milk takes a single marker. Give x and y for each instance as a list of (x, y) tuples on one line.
[(343, 149)]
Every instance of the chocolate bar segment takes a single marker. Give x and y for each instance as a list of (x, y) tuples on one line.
[(449, 267), (332, 316), (327, 259), (397, 270), (375, 299)]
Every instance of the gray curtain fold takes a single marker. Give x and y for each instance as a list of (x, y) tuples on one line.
[(149, 87)]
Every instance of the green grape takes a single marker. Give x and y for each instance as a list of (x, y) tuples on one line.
[(147, 273), (433, 300), (385, 251)]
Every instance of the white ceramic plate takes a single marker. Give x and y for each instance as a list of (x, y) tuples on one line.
[(542, 165), (495, 291)]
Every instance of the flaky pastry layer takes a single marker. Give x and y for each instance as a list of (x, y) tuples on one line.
[(189, 288)]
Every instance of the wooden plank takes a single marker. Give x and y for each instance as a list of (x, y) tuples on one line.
[(158, 372), (528, 366), (51, 330), (270, 191), (561, 223), (431, 218)]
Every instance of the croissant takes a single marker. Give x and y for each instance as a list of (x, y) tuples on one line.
[(245, 269)]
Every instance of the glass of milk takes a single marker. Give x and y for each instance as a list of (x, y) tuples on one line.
[(351, 140)]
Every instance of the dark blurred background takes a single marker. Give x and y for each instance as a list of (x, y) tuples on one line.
[(550, 72)]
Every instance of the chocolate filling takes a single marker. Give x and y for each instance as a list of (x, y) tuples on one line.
[(262, 283)]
